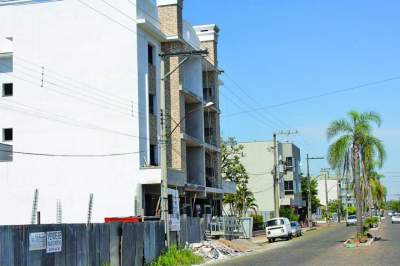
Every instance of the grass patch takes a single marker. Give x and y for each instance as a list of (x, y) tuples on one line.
[(175, 256)]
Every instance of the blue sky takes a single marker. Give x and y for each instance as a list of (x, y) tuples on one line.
[(277, 51)]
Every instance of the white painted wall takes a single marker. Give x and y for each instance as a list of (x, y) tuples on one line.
[(69, 38), (332, 191)]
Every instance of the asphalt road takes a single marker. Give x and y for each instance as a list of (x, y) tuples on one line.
[(325, 247)]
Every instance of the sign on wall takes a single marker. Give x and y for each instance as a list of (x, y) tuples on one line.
[(174, 217), (50, 241), (54, 241), (37, 241)]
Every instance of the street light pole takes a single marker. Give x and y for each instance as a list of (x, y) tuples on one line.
[(164, 135), (309, 187)]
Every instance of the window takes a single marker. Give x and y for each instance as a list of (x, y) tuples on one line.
[(7, 89), (289, 163), (150, 54), (153, 152), (289, 187), (6, 63), (7, 134), (151, 104), (207, 93)]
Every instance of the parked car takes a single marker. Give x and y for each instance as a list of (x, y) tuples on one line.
[(278, 228), (351, 220), (296, 229), (396, 218), (390, 213)]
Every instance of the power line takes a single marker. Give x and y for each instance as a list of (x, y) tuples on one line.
[(71, 155), (316, 96), (108, 17), (71, 81)]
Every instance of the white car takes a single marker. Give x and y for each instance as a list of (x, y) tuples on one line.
[(351, 220), (396, 218), (278, 228), (390, 213)]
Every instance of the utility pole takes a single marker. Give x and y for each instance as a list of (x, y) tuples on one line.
[(165, 135), (276, 172), (276, 181), (326, 175), (309, 187), (339, 193)]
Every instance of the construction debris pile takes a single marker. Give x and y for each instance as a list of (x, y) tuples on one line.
[(219, 249)]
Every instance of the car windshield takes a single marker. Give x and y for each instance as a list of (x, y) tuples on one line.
[(274, 222), (352, 217), (293, 224)]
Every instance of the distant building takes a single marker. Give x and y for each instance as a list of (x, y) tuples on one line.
[(259, 163), (337, 189)]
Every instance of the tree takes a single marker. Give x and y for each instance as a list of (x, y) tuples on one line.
[(315, 203), (354, 144), (394, 205), (335, 206), (233, 170)]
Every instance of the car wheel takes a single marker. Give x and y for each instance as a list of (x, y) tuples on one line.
[(269, 240), (273, 239)]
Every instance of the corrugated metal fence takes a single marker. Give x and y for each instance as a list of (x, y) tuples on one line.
[(81, 244)]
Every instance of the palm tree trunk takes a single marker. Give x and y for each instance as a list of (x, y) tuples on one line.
[(358, 191)]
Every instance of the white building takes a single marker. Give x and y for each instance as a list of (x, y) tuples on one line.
[(328, 190), (80, 107)]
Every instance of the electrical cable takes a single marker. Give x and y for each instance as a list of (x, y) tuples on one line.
[(302, 99), (70, 155)]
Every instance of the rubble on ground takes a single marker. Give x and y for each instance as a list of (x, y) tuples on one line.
[(220, 249)]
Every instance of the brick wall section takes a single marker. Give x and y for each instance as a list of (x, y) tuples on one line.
[(211, 77), (211, 46), (175, 107), (171, 19)]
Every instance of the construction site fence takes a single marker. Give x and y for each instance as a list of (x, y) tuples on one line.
[(81, 244)]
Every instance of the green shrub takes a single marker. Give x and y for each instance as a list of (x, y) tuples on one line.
[(371, 221), (288, 213), (351, 210), (175, 256), (258, 221)]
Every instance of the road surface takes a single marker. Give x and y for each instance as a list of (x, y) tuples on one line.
[(325, 247)]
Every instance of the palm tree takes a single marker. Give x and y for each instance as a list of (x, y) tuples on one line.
[(353, 141)]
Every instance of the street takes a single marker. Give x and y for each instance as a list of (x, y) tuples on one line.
[(325, 247)]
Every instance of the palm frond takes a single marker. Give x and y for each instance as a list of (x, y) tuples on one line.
[(338, 150), (337, 127)]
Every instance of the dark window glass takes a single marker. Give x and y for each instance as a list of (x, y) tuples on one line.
[(7, 134), (7, 89), (150, 54), (151, 104), (289, 163), (153, 155), (170, 207), (289, 188)]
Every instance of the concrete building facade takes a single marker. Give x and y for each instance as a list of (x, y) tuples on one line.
[(258, 159), (80, 109)]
